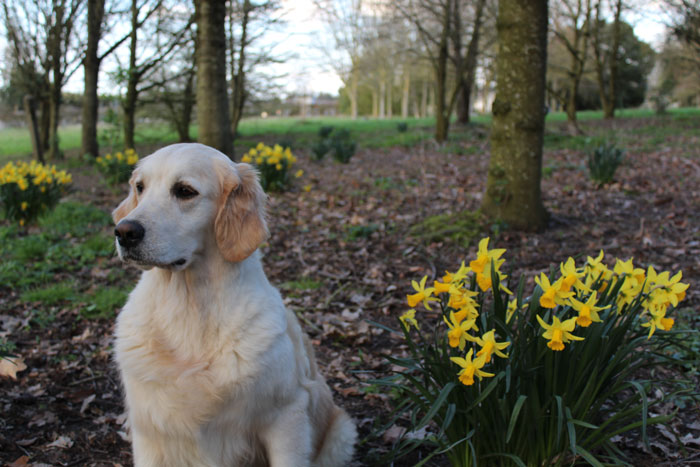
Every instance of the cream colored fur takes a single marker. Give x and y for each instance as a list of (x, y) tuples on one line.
[(216, 371)]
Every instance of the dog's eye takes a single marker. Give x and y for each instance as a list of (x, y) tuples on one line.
[(139, 187), (182, 191)]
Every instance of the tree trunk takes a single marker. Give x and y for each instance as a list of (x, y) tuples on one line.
[(212, 96), (354, 79), (513, 191), (406, 95), (442, 121), (91, 65), (375, 104), (424, 100), (238, 92), (132, 93), (30, 112), (389, 97), (54, 45), (44, 121), (188, 98), (382, 97)]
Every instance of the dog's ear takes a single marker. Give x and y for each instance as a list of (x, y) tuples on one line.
[(240, 225), (126, 206)]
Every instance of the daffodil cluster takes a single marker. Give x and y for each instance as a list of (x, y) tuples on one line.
[(274, 164), (28, 189), (117, 168), (579, 289), (460, 311), (576, 299)]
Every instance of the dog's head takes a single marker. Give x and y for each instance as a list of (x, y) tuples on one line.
[(184, 200)]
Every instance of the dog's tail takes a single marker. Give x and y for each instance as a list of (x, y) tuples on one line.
[(338, 442)]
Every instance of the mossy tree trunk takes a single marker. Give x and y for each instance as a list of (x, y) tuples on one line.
[(513, 193), (212, 97)]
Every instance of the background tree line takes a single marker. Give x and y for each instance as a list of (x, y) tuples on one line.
[(406, 57)]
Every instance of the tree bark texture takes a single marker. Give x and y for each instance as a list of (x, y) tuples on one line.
[(212, 97), (406, 94), (238, 91), (442, 121), (91, 66), (513, 192), (32, 124)]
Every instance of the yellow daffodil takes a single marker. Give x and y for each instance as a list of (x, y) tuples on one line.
[(441, 287), (658, 320), (471, 368), (571, 277), (409, 319), (485, 256), (559, 333), (458, 335), (490, 346), (552, 295), (307, 188), (247, 159), (588, 311), (299, 173), (422, 294)]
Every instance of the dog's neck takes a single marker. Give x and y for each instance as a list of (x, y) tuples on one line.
[(207, 278)]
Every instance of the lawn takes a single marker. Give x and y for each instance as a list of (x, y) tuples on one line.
[(344, 254), (370, 133)]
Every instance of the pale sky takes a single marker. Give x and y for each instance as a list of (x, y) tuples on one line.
[(304, 33)]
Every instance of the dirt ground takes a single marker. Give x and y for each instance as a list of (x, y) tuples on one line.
[(343, 253)]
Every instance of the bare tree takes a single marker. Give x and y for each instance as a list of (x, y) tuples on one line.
[(513, 192), (42, 36), (347, 22), (167, 29), (571, 25), (92, 61), (248, 22), (607, 56)]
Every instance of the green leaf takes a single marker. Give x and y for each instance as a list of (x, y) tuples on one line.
[(514, 416)]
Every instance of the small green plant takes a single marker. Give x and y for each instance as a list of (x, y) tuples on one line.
[(402, 127), (274, 164), (343, 146), (603, 161), (117, 168), (29, 189), (319, 149), (355, 232), (6, 348), (501, 378), (325, 131)]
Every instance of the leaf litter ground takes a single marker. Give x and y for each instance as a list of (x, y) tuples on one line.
[(344, 253)]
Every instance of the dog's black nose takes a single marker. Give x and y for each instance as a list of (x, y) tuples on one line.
[(129, 233)]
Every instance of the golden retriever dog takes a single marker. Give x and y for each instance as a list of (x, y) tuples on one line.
[(216, 371)]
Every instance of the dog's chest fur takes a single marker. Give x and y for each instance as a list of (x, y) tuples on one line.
[(180, 370)]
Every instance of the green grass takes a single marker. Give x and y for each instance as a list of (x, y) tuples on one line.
[(301, 133), (52, 294), (71, 237), (104, 303)]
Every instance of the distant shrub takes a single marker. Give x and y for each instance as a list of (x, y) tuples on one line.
[(402, 127), (29, 189), (117, 168), (325, 131), (319, 149), (274, 164), (603, 161), (343, 146)]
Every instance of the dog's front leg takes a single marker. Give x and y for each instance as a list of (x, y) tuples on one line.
[(288, 437)]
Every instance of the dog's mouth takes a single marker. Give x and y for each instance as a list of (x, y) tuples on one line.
[(148, 263)]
